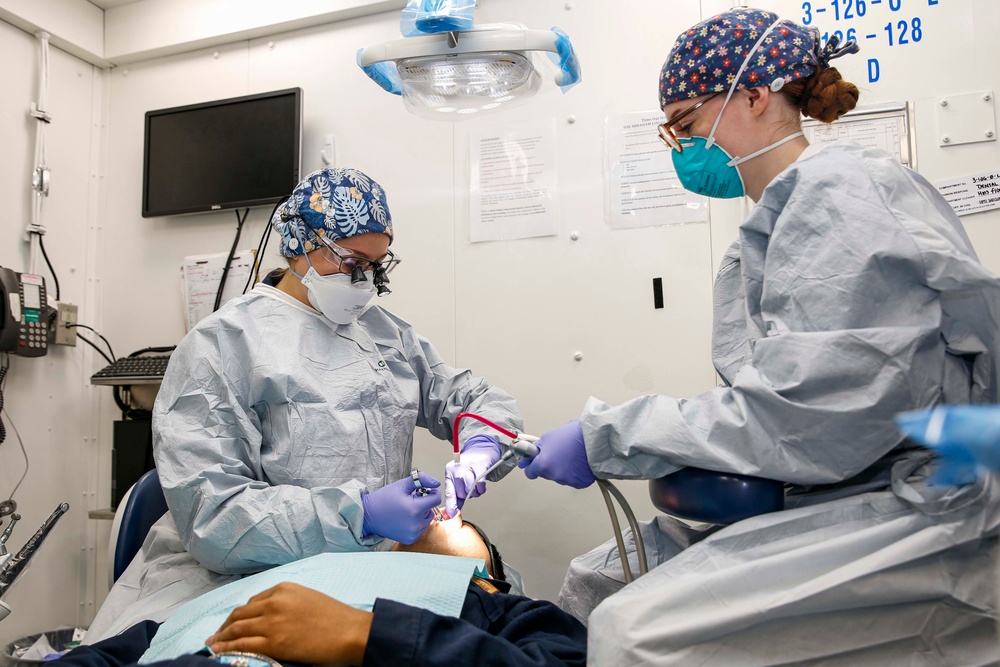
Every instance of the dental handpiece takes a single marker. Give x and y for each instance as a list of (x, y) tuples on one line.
[(524, 446)]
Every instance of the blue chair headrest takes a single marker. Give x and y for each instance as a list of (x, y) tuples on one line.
[(144, 507), (715, 497)]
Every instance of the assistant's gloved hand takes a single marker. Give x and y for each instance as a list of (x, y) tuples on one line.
[(396, 512), (965, 437), (479, 453), (562, 457)]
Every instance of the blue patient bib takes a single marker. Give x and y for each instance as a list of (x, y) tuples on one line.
[(432, 582)]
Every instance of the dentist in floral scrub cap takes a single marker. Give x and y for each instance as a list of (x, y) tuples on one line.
[(284, 424)]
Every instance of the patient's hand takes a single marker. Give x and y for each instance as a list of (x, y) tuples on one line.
[(291, 622)]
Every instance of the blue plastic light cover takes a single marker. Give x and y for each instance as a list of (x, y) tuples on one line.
[(427, 17), (566, 60), (383, 73)]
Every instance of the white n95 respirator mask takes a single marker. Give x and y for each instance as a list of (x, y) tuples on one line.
[(340, 300)]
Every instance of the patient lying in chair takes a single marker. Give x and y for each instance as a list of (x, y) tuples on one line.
[(292, 622)]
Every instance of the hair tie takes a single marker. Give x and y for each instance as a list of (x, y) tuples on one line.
[(830, 51)]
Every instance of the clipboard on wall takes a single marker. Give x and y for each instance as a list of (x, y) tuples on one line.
[(888, 127), (200, 276)]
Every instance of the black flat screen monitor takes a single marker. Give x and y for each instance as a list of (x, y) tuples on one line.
[(232, 153)]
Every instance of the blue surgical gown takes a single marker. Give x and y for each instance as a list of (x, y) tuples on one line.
[(269, 423), (851, 294)]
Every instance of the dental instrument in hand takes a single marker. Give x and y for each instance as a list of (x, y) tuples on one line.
[(421, 490), (523, 447), (479, 451)]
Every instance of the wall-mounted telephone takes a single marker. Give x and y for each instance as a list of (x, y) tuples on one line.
[(23, 314)]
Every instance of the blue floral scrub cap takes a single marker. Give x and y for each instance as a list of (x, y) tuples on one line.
[(333, 203), (706, 57)]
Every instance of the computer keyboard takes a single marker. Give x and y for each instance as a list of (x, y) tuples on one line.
[(133, 370)]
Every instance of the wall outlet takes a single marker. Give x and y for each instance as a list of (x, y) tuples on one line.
[(65, 315)]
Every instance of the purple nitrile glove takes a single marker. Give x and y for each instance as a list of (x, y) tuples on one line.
[(479, 453), (396, 512), (562, 457)]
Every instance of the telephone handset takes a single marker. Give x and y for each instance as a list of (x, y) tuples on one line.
[(23, 311)]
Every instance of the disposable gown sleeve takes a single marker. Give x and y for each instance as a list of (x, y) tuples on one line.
[(851, 337), (207, 443), (445, 392)]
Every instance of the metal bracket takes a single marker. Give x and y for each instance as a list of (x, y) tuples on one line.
[(40, 180), (38, 114), (966, 119)]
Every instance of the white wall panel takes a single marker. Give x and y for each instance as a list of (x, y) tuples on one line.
[(49, 398)]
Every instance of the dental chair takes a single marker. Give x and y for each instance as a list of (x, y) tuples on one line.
[(139, 509)]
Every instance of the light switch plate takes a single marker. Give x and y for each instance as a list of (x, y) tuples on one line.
[(66, 315)]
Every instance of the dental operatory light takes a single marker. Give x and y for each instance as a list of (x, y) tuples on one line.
[(444, 68)]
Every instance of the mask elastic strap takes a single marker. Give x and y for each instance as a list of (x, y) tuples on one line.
[(740, 160), (732, 89), (304, 254)]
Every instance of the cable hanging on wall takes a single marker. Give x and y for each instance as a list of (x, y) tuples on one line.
[(229, 259), (9, 506), (40, 173), (262, 246), (4, 366)]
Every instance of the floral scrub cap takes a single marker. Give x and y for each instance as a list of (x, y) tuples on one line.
[(332, 203), (706, 58)]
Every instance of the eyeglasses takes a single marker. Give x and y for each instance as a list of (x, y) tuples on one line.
[(347, 261), (666, 130)]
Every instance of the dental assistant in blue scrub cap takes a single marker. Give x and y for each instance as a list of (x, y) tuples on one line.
[(851, 294)]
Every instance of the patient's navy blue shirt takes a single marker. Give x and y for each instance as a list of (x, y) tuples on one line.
[(494, 629)]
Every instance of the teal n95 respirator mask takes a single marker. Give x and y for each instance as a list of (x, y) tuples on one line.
[(339, 299), (707, 169), (703, 166)]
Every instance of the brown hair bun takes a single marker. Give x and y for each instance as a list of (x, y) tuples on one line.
[(824, 95)]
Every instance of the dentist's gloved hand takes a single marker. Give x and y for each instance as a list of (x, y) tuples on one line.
[(396, 512), (479, 453), (562, 457)]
